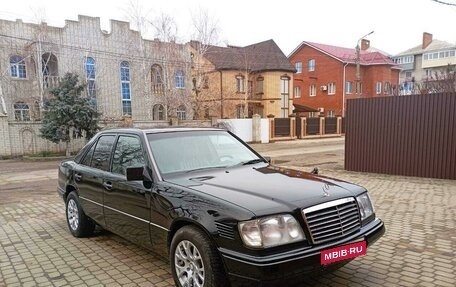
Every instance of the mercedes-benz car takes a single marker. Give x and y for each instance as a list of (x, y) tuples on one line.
[(216, 208)]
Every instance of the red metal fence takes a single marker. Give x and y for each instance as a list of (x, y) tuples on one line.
[(408, 135)]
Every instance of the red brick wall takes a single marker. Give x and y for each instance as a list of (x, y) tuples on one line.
[(329, 69)]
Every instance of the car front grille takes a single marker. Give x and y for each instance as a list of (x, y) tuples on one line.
[(332, 220)]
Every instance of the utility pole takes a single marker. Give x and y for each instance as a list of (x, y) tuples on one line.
[(358, 59)]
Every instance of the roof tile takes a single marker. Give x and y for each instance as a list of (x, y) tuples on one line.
[(263, 56)]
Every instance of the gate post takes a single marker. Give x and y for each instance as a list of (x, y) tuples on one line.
[(256, 127), (339, 126), (271, 128), (303, 127), (5, 144), (293, 128), (322, 126)]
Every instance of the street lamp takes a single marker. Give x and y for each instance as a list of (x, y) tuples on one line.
[(358, 52)]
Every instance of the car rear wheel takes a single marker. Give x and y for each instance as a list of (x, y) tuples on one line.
[(79, 224), (194, 260)]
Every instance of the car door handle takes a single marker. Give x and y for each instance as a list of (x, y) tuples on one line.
[(107, 185), (78, 176)]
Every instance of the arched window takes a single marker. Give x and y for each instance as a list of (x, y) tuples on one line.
[(157, 79), (50, 68), (181, 112), (21, 111), (17, 67), (90, 70), (179, 79), (125, 90), (158, 113)]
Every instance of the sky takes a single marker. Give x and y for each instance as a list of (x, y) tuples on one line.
[(397, 24)]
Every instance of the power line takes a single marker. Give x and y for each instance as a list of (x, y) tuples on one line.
[(445, 3)]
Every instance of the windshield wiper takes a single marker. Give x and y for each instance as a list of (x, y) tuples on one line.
[(204, 168), (252, 161)]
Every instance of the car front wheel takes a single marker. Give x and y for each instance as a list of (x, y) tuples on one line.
[(79, 224), (194, 260)]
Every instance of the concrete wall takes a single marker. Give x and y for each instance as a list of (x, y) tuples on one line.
[(246, 129), (22, 138)]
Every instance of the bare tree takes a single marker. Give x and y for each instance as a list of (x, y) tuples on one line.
[(245, 72), (175, 62), (165, 28), (138, 17), (205, 35), (442, 81)]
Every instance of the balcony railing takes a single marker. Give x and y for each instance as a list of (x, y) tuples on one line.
[(51, 82), (157, 89)]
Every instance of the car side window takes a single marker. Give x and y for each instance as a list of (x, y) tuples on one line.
[(102, 153), (88, 157), (128, 153)]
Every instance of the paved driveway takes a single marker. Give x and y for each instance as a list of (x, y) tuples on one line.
[(36, 248)]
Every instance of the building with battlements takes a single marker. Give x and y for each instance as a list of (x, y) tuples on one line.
[(125, 76)]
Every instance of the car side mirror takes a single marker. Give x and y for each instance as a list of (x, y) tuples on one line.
[(267, 158), (135, 173), (139, 173)]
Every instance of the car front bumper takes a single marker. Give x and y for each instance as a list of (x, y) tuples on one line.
[(292, 265)]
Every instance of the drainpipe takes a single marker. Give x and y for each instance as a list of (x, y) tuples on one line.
[(221, 95), (343, 93)]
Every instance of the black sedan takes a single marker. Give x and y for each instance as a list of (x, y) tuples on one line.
[(219, 211)]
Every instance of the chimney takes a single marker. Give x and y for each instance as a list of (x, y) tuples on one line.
[(365, 44), (427, 39)]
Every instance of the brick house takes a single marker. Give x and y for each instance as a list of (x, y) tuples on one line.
[(237, 82), (326, 76)]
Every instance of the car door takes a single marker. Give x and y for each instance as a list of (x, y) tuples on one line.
[(89, 174), (127, 203)]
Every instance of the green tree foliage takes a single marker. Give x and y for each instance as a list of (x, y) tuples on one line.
[(68, 112)]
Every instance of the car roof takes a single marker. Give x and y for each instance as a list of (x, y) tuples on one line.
[(156, 130)]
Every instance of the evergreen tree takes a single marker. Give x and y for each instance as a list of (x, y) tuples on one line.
[(68, 112)]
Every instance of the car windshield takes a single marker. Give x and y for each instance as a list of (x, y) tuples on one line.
[(187, 151)]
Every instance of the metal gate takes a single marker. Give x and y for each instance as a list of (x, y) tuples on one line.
[(313, 126), (330, 125), (282, 127)]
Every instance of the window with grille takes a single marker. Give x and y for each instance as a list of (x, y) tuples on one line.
[(125, 87), (21, 111), (179, 79), (17, 67)]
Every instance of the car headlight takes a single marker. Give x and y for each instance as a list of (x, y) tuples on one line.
[(270, 231), (365, 206)]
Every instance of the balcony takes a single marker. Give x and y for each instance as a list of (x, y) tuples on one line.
[(51, 82), (158, 89)]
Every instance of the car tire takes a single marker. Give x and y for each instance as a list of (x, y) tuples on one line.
[(80, 225), (203, 267)]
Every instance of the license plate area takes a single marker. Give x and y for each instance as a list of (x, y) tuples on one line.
[(344, 252)]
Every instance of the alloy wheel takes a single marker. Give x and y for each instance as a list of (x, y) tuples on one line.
[(189, 265), (73, 214)]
